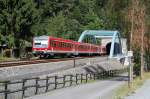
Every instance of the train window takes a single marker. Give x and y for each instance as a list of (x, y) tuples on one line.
[(59, 44), (37, 43), (71, 45), (62, 44), (54, 43), (82, 46), (79, 46), (65, 45), (51, 43), (68, 45)]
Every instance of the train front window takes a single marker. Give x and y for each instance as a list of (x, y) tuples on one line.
[(37, 43), (41, 43)]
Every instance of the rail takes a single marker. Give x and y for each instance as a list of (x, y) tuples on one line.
[(9, 89), (27, 62), (37, 61)]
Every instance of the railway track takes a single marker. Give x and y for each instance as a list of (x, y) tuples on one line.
[(35, 61)]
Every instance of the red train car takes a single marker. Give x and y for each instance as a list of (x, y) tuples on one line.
[(49, 46)]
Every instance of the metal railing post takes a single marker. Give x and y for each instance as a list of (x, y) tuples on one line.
[(74, 62), (37, 86), (86, 78), (70, 80), (64, 80), (23, 88), (47, 85), (6, 89), (76, 78), (81, 78), (55, 82)]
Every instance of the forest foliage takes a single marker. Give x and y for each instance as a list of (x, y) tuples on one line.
[(21, 20)]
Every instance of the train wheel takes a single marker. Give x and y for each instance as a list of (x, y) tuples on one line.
[(50, 56), (41, 56), (68, 55)]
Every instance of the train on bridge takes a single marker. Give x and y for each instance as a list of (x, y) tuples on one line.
[(46, 46)]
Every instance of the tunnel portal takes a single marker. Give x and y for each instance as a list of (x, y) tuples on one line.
[(117, 48)]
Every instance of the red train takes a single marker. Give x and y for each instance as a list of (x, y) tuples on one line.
[(46, 46)]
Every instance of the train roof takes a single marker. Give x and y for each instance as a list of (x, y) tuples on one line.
[(61, 39), (55, 38), (67, 40), (41, 37)]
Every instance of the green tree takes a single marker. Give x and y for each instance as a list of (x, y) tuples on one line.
[(16, 19)]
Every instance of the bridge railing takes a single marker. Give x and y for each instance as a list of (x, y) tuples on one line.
[(27, 87)]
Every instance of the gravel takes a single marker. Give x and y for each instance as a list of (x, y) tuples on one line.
[(55, 69), (28, 71)]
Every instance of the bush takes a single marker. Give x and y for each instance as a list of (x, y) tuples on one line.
[(136, 68), (7, 53)]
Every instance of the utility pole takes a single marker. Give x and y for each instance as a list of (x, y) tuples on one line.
[(142, 46), (130, 74), (132, 27), (131, 66)]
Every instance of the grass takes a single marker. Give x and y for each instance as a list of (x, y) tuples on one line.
[(125, 90), (6, 58)]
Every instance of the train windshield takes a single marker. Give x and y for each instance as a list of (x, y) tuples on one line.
[(37, 43), (40, 43)]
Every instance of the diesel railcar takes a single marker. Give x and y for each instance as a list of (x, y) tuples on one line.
[(45, 46)]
